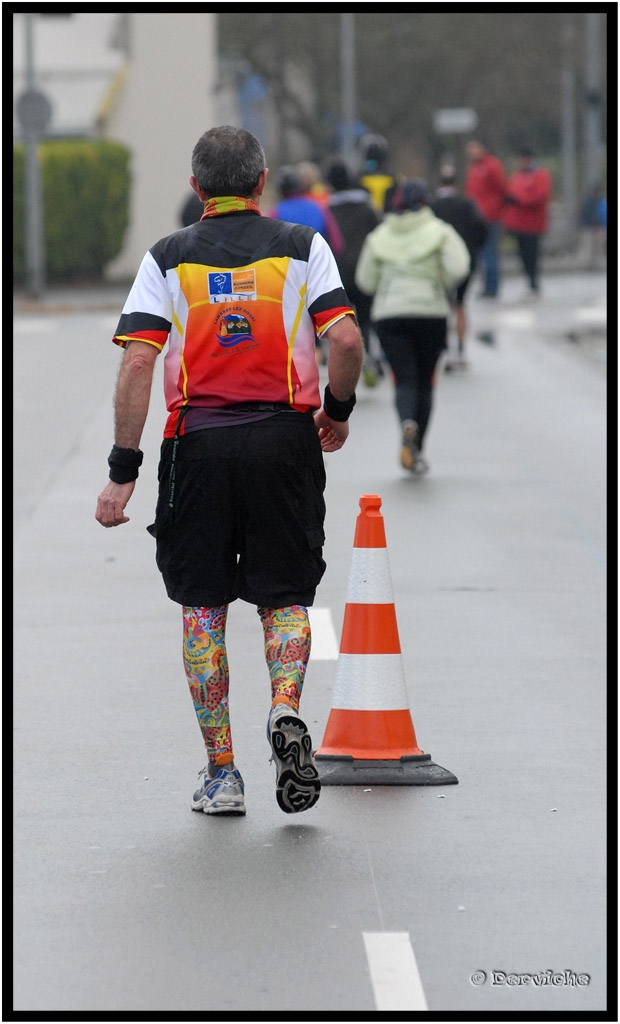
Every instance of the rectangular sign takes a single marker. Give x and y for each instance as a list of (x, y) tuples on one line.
[(451, 121)]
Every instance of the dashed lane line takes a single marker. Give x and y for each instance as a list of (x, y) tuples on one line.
[(394, 972), (324, 640)]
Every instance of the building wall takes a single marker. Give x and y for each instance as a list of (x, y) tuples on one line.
[(72, 61), (166, 100)]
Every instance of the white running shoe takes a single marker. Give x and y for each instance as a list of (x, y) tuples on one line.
[(222, 794), (420, 466)]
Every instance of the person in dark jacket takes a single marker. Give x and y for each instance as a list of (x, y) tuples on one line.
[(352, 209), (191, 211), (464, 215)]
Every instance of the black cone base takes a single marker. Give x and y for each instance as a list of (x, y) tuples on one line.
[(408, 770)]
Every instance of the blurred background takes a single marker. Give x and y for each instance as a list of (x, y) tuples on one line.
[(108, 106)]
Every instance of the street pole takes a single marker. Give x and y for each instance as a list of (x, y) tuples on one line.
[(593, 155), (347, 68), (569, 143), (35, 261), (280, 150)]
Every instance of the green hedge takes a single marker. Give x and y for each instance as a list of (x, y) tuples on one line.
[(85, 194)]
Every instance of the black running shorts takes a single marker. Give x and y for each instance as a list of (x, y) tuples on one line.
[(244, 517)]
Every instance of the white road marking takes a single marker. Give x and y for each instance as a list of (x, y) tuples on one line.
[(517, 319), (393, 971), (41, 325), (325, 645), (592, 314), (109, 323), (33, 326)]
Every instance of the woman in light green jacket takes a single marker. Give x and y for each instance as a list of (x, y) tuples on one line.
[(410, 263)]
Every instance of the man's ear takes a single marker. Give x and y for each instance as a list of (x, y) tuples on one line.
[(258, 191), (197, 189)]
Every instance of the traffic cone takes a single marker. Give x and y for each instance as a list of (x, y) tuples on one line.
[(369, 738)]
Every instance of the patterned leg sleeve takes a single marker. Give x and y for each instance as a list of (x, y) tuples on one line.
[(287, 649), (206, 668)]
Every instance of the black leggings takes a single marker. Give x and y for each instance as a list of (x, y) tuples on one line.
[(361, 304), (412, 347), (529, 246)]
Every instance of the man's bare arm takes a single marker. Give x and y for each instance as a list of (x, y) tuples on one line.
[(133, 393), (345, 357), (344, 365), (131, 406)]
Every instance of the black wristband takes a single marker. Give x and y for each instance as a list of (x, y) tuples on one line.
[(335, 409), (124, 464)]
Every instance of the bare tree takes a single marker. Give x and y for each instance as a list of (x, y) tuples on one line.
[(506, 66)]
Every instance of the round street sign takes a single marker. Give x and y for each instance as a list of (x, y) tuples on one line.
[(34, 110)]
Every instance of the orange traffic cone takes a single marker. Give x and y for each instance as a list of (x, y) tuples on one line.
[(370, 738)]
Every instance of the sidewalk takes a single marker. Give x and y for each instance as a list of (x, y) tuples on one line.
[(73, 298)]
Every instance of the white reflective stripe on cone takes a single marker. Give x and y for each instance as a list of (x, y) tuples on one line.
[(370, 581), (370, 682)]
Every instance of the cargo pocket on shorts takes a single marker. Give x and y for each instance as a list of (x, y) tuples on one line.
[(160, 527), (316, 565), (164, 507), (164, 513), (315, 535)]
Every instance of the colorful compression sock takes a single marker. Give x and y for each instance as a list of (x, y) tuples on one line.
[(206, 668), (287, 649)]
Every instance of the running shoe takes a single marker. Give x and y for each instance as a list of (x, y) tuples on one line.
[(369, 375), (458, 363), (420, 465), (409, 448), (222, 794), (297, 780)]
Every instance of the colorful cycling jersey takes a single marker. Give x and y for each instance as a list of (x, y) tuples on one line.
[(240, 299)]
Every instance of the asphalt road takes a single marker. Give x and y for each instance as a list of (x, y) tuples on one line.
[(380, 897)]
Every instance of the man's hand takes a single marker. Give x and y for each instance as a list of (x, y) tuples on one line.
[(332, 433), (111, 503)]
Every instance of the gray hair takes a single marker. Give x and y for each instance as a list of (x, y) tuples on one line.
[(228, 161)]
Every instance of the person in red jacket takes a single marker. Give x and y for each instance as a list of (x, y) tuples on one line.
[(526, 213), (485, 183)]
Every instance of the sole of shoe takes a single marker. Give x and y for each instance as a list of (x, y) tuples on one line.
[(219, 806), (409, 448), (224, 809), (407, 458), (298, 786)]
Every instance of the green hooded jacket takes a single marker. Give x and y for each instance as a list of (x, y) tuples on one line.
[(410, 263)]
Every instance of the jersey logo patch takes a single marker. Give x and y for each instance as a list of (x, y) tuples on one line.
[(231, 285), (233, 330)]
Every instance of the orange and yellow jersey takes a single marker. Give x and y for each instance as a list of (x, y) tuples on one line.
[(239, 299)]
